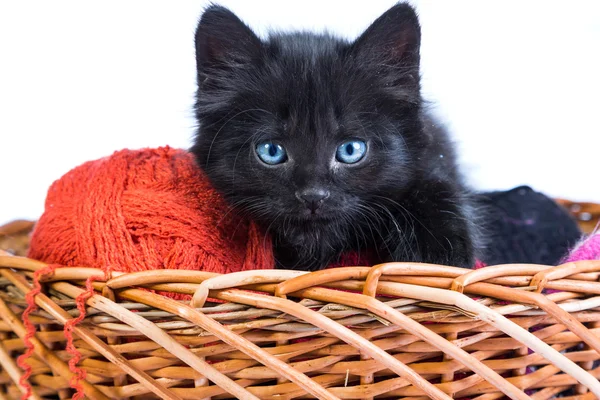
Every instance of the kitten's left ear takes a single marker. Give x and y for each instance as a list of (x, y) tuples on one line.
[(394, 39)]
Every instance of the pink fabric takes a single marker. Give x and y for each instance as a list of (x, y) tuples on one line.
[(587, 249)]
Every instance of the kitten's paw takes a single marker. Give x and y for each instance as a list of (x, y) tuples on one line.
[(461, 253), (453, 251), (454, 248)]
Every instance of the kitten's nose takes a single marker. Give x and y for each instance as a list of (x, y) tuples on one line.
[(313, 197)]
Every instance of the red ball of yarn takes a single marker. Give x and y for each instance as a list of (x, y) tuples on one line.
[(142, 210)]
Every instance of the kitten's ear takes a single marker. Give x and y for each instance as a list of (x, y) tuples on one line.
[(223, 40), (394, 39)]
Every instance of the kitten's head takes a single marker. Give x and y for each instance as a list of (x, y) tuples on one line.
[(307, 128)]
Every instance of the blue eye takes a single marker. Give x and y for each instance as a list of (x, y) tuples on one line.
[(351, 152), (271, 153)]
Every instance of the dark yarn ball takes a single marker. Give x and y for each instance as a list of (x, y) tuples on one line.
[(524, 226)]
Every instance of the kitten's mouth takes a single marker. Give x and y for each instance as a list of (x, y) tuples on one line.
[(309, 216)]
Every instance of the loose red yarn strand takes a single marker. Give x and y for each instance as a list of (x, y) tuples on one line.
[(30, 328), (79, 374)]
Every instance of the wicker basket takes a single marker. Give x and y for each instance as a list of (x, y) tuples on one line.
[(587, 214), (397, 330), (14, 237)]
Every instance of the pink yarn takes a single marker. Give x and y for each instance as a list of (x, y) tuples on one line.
[(587, 249)]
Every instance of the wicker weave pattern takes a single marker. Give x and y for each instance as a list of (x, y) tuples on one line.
[(416, 331), (586, 214), (14, 237)]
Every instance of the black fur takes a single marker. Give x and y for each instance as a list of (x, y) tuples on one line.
[(309, 92)]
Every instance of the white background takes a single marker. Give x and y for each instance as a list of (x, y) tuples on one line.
[(516, 81)]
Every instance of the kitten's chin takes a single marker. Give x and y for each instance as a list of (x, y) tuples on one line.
[(311, 233)]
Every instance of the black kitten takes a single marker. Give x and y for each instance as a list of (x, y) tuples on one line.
[(326, 143)]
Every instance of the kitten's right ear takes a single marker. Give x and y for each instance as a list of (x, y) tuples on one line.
[(223, 40)]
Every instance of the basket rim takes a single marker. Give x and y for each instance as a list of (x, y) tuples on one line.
[(410, 280)]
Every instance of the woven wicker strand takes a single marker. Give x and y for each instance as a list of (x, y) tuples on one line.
[(397, 330), (587, 214), (361, 302)]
